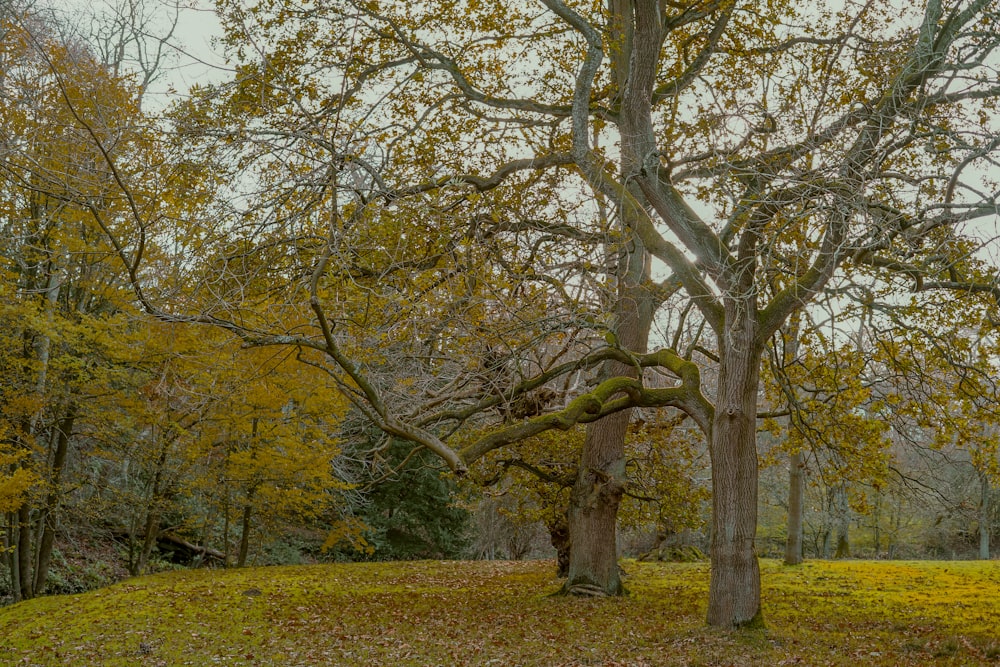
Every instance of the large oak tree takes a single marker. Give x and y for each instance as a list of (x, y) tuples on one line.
[(450, 207)]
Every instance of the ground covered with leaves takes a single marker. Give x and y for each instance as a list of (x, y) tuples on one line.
[(504, 613)]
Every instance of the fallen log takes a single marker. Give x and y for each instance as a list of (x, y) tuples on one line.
[(177, 543)]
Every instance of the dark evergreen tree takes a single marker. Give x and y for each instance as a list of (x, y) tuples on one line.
[(415, 513)]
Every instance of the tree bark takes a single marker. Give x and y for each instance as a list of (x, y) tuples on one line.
[(245, 535), (877, 524), (984, 517), (796, 462), (734, 584), (796, 491), (559, 537), (10, 549), (600, 483), (593, 513), (151, 531), (843, 523), (48, 517), (24, 551), (152, 526), (225, 530)]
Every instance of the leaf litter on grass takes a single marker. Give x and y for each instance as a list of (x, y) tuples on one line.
[(503, 613)]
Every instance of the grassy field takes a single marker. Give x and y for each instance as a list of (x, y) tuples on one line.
[(499, 613)]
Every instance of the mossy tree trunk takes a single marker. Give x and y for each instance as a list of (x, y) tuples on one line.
[(601, 479)]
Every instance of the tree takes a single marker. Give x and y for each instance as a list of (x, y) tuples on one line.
[(414, 512), (61, 307), (391, 207)]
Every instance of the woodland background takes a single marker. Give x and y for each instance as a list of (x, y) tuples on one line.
[(135, 439)]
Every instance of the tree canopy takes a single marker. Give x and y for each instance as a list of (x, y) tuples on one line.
[(472, 218)]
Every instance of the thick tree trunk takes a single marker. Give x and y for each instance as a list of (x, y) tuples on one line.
[(734, 584), (600, 483), (593, 513), (796, 506)]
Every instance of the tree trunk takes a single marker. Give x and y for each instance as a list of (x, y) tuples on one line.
[(984, 517), (245, 535), (47, 520), (734, 584), (559, 537), (796, 506), (600, 483), (796, 462), (151, 530), (843, 523), (593, 513), (225, 530), (877, 524), (24, 551), (152, 526), (843, 544), (10, 550)]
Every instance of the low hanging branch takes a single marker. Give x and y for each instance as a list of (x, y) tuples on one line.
[(610, 396)]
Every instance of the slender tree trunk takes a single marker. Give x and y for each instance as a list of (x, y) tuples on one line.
[(24, 551), (151, 530), (152, 527), (225, 530), (734, 584), (796, 462), (796, 506), (48, 515), (41, 349), (897, 524), (984, 517), (245, 534), (877, 524), (843, 523), (248, 508), (10, 549)]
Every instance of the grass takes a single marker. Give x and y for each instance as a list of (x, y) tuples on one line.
[(501, 613)]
